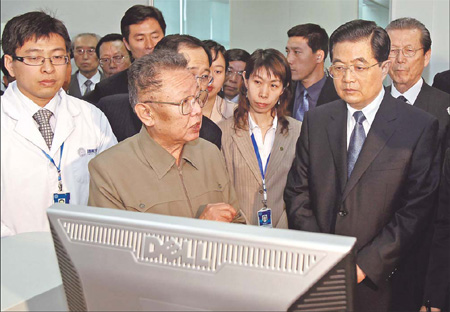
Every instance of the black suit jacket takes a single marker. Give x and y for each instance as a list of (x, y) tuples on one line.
[(442, 81), (116, 84), (387, 200), (328, 94), (125, 123)]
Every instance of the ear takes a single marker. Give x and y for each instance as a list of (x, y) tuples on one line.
[(320, 56), (427, 58), (145, 114), (8, 65), (385, 66), (245, 79), (126, 44)]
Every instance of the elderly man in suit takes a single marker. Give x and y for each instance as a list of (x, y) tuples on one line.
[(306, 51), (366, 166), (87, 75), (165, 168), (410, 54)]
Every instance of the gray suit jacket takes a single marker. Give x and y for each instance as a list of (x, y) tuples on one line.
[(74, 87), (245, 175)]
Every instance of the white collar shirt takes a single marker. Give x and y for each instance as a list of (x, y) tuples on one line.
[(411, 94), (264, 147), (82, 79), (369, 112)]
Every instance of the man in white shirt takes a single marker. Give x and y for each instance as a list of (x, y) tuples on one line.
[(87, 75), (47, 137), (365, 166)]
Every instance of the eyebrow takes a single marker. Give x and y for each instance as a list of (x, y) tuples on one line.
[(273, 80), (42, 50), (361, 59)]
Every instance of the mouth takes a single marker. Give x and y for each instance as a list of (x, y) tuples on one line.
[(210, 88), (261, 105), (350, 90), (196, 127), (47, 82)]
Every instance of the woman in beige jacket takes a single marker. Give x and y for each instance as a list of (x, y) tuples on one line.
[(258, 142)]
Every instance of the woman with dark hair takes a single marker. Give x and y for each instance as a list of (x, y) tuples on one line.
[(258, 143), (217, 108)]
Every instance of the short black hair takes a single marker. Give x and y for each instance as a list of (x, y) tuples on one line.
[(145, 72), (137, 14), (357, 30), (316, 36), (31, 25), (237, 55), (216, 47), (173, 43), (108, 38), (412, 23)]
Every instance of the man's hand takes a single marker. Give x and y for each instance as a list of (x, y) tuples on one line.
[(360, 275), (218, 212)]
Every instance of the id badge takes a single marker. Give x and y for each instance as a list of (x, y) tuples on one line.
[(61, 198), (265, 217)]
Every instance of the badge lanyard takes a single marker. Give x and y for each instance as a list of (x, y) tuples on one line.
[(263, 171), (58, 168)]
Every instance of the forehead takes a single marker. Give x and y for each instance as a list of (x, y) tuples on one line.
[(297, 42), (220, 60), (86, 41), (50, 43), (196, 57), (405, 36), (149, 25), (112, 46), (237, 65), (347, 51), (265, 74)]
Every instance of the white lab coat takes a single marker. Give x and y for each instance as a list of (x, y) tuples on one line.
[(28, 178)]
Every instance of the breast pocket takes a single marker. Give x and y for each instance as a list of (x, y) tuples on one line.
[(79, 166)]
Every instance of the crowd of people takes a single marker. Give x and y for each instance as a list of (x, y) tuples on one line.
[(179, 126)]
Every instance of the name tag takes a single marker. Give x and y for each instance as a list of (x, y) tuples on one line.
[(265, 217)]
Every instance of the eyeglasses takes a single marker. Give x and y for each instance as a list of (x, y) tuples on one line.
[(40, 60), (407, 51), (80, 51), (204, 80), (338, 71), (118, 59), (187, 104), (231, 72)]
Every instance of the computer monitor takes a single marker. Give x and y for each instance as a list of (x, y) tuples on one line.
[(120, 260)]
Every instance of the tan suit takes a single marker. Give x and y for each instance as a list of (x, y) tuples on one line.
[(245, 175), (140, 175)]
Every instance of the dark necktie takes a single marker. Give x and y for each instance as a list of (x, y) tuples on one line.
[(401, 97), (303, 108), (88, 85), (42, 117), (356, 142)]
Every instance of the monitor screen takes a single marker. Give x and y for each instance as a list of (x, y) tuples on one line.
[(121, 260)]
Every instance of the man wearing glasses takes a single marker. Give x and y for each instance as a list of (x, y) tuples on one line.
[(87, 75), (165, 168), (113, 55), (410, 54), (366, 165), (236, 59), (47, 136)]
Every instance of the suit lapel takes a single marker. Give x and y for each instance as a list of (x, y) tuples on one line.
[(381, 130), (245, 147), (423, 99), (337, 138), (279, 148)]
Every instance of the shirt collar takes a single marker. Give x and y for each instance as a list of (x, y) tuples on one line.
[(253, 125), (82, 79), (370, 110), (411, 94), (314, 90), (161, 160), (31, 107)]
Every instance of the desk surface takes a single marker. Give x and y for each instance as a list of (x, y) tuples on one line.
[(30, 277)]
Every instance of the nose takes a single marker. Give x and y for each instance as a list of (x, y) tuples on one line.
[(196, 108), (348, 75), (264, 91), (289, 57), (400, 58), (48, 67), (149, 45)]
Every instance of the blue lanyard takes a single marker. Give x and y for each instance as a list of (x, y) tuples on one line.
[(58, 168), (263, 172)]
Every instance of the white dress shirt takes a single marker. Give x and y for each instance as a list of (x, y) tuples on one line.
[(369, 112), (82, 79), (264, 147), (411, 94)]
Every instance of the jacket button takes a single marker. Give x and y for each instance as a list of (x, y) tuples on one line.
[(261, 191), (342, 213)]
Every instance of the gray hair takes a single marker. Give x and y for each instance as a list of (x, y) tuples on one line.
[(83, 35), (145, 73), (412, 23)]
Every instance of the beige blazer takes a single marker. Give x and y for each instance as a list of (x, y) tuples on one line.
[(245, 175)]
